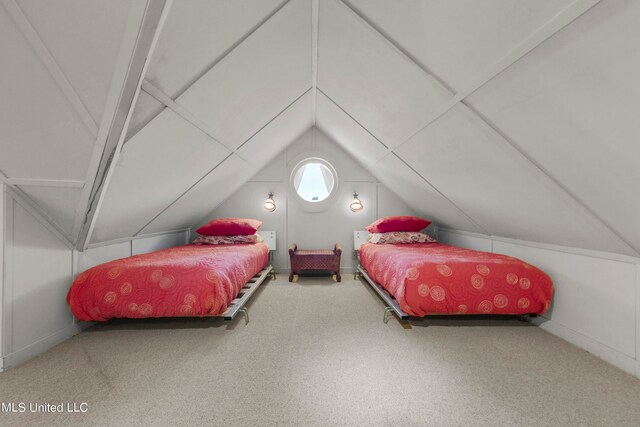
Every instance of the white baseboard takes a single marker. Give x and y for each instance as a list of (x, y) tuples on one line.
[(594, 347), (13, 359)]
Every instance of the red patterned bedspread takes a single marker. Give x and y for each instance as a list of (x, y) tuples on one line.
[(189, 280), (432, 278)]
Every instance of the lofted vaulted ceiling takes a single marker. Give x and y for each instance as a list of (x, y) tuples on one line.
[(502, 117)]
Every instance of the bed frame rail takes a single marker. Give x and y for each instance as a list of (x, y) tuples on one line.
[(392, 305), (238, 304)]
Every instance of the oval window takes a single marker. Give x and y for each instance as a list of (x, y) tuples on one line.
[(313, 180)]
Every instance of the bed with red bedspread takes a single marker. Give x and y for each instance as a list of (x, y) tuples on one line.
[(433, 278), (184, 281)]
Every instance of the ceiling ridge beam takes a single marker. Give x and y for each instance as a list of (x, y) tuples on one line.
[(353, 118), (185, 114), (30, 182), (559, 21), (124, 93), (315, 31), (49, 62), (115, 107), (356, 122), (385, 37), (577, 201)]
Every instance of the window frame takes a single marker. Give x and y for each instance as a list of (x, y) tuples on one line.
[(314, 206)]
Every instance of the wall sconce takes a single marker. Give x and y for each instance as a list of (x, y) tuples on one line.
[(270, 204), (356, 204)]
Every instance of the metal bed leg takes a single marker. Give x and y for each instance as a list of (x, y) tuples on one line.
[(388, 314), (244, 311), (273, 273)]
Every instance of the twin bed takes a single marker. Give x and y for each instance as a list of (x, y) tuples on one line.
[(415, 275), (432, 278), (195, 280)]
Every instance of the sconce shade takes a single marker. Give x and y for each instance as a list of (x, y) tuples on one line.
[(270, 204), (356, 204)]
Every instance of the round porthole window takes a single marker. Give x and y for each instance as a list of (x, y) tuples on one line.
[(314, 180)]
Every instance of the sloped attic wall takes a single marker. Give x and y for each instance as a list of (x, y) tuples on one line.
[(312, 230), (64, 65), (397, 96), (235, 88), (572, 107), (491, 117)]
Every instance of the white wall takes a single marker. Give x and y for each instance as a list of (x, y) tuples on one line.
[(101, 253), (596, 304), (39, 266), (2, 227), (312, 230), (38, 270)]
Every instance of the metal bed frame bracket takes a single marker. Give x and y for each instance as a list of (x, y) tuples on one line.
[(388, 314), (238, 304), (392, 305)]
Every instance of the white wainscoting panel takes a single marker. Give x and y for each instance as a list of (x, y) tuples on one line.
[(154, 243), (94, 256), (593, 296), (596, 303), (38, 273), (39, 268), (467, 240), (2, 228)]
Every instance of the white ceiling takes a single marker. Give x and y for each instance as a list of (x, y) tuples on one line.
[(62, 67), (503, 117)]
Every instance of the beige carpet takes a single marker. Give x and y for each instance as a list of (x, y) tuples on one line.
[(317, 353)]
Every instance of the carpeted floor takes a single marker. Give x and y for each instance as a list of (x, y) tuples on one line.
[(317, 353)]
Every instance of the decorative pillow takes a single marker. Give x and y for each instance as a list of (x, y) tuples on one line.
[(230, 227), (400, 237), (227, 240), (397, 223)]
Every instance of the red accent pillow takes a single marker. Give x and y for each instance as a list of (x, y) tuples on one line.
[(397, 223), (229, 227)]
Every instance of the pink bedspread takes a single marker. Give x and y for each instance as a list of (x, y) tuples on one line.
[(432, 278), (189, 280)]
